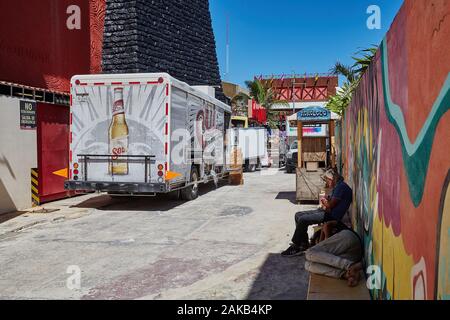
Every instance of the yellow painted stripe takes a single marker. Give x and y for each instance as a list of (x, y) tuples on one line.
[(34, 190), (34, 173), (36, 198), (34, 181)]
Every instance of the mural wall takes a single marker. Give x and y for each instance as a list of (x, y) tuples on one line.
[(396, 155)]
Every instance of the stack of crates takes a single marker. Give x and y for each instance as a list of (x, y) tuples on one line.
[(236, 168)]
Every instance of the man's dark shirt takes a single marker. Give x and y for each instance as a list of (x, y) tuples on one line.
[(344, 194)]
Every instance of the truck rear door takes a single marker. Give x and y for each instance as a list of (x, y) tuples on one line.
[(118, 130)]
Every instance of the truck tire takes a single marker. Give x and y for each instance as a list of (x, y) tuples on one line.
[(289, 169), (191, 192), (249, 167)]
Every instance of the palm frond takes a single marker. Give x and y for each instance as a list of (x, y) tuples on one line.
[(346, 71)]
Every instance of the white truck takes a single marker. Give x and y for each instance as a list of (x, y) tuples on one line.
[(253, 145), (142, 134)]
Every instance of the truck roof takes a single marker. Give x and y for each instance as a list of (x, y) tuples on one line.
[(144, 78)]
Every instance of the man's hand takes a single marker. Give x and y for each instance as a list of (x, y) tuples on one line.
[(326, 205), (329, 204)]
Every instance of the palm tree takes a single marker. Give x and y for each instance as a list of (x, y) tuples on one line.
[(362, 63), (353, 74), (265, 95), (348, 72)]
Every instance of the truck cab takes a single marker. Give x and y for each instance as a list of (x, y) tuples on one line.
[(239, 122)]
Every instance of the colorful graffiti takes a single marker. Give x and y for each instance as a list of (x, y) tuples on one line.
[(395, 154)]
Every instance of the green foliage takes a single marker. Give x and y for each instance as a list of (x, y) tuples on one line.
[(341, 100), (363, 62), (265, 95), (348, 72), (353, 74)]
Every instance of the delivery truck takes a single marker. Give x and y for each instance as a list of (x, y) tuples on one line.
[(143, 134), (253, 144)]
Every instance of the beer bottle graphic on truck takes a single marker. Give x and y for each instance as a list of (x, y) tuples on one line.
[(118, 136)]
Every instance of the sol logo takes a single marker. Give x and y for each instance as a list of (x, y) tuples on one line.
[(117, 152)]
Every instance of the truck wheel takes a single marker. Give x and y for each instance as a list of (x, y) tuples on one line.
[(191, 192), (248, 167), (289, 169)]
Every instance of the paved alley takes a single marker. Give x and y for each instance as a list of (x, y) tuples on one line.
[(224, 245)]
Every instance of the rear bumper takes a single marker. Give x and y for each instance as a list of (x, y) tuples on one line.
[(119, 187)]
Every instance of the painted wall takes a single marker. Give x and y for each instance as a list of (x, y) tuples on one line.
[(396, 156), (17, 157)]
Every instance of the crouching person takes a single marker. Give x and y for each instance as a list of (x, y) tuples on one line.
[(338, 256)]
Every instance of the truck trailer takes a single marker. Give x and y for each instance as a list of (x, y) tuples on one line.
[(253, 144), (143, 134)]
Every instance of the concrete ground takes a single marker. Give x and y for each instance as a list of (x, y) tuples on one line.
[(224, 245)]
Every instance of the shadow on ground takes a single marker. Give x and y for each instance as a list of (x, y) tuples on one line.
[(281, 278), (11, 215), (160, 202), (292, 197), (287, 195)]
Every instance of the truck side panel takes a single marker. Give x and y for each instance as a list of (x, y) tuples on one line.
[(179, 136), (252, 142)]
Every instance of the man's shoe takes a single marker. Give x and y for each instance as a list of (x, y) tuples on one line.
[(293, 251)]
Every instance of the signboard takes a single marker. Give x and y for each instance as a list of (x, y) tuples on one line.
[(314, 114), (309, 129), (315, 130), (27, 115)]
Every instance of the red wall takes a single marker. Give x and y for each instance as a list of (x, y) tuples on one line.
[(37, 48), (53, 146)]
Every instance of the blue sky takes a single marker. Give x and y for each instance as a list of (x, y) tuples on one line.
[(280, 37)]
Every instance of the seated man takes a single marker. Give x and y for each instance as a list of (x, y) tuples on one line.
[(334, 209), (338, 256)]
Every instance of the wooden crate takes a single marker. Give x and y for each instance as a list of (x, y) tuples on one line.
[(309, 185), (312, 166), (314, 156), (236, 179), (236, 159)]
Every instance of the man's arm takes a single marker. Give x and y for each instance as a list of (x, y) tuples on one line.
[(329, 205), (337, 195)]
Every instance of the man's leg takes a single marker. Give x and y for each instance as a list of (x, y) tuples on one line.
[(303, 220), (323, 269), (340, 251)]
